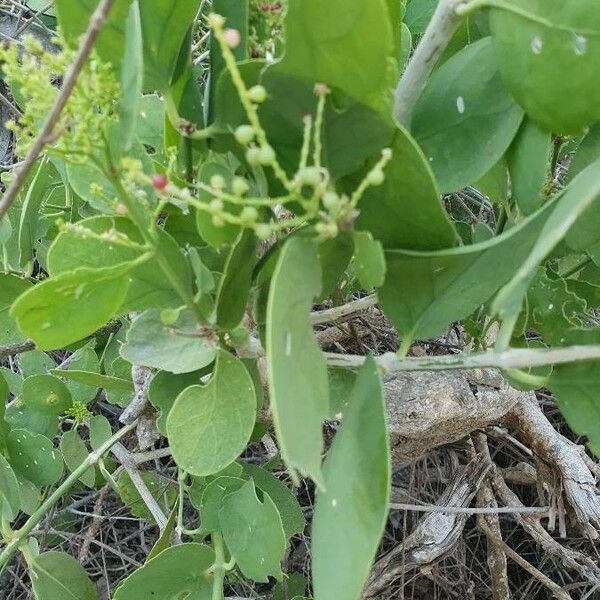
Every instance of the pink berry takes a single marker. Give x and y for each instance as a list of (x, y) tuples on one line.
[(159, 181), (232, 37), (264, 7), (276, 7)]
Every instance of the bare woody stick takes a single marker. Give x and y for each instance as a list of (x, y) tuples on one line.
[(45, 136)]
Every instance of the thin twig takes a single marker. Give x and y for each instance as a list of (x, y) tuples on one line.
[(466, 510), (46, 134), (341, 312)]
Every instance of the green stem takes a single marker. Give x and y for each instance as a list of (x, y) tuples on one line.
[(219, 566), (525, 378), (506, 332), (19, 536)]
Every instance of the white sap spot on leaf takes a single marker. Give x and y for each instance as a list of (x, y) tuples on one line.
[(79, 291), (35, 462), (580, 45), (288, 343), (334, 503), (550, 306), (46, 325), (537, 45), (460, 105), (339, 416)]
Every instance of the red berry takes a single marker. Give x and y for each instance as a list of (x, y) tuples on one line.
[(159, 181), (276, 7), (264, 7)]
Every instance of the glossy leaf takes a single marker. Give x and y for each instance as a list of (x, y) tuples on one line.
[(58, 576), (297, 371), (46, 394), (406, 211), (253, 533), (445, 286), (548, 53), (178, 348), (177, 572), (357, 487), (34, 457), (209, 426), (465, 120)]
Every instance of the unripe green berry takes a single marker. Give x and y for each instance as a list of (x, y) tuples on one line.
[(239, 186), (216, 21), (263, 231), (266, 155), (217, 182), (216, 205), (257, 94), (249, 215), (375, 177), (244, 134), (253, 156), (331, 201), (218, 221), (309, 176), (328, 230)]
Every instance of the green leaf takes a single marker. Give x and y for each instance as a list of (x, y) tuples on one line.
[(575, 386), (296, 367), (35, 362), (11, 287), (292, 518), (529, 165), (548, 52), (31, 211), (83, 360), (177, 572), (73, 18), (290, 588), (209, 426), (552, 308), (342, 43), (253, 533), (46, 394), (566, 219), (74, 453), (58, 576), (465, 120), (20, 416), (132, 76), (163, 391), (351, 511), (236, 281), (334, 255), (45, 312), (100, 431), (212, 500), (341, 384), (96, 380), (163, 490), (406, 211), (149, 287), (587, 153), (165, 24), (418, 14), (10, 497), (446, 286), (178, 348), (34, 457), (369, 260)]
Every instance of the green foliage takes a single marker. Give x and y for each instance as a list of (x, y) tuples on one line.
[(209, 426), (357, 481), (215, 177)]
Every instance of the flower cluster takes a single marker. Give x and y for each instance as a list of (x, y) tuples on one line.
[(34, 75)]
